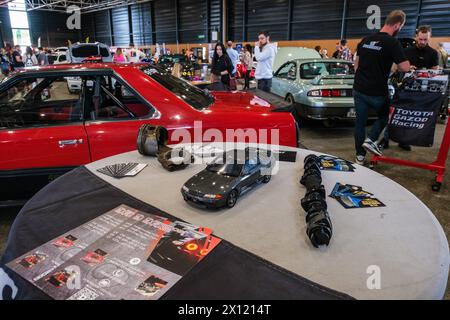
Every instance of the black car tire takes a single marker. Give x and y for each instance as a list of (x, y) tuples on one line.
[(290, 99), (232, 198), (266, 178)]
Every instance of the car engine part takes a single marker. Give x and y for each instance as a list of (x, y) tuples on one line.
[(152, 141), (174, 159), (319, 228)]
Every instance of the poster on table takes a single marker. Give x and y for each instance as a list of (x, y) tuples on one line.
[(122, 254)]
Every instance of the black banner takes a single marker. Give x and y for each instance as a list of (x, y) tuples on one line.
[(413, 120)]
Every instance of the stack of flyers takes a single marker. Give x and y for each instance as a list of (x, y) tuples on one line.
[(121, 170), (335, 164), (350, 196)]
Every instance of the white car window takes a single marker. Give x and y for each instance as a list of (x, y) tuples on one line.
[(289, 70)]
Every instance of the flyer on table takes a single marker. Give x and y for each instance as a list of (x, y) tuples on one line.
[(122, 254)]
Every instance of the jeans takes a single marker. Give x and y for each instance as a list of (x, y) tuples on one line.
[(265, 84), (362, 104)]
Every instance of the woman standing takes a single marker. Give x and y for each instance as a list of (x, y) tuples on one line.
[(119, 56), (221, 64), (248, 64), (29, 58)]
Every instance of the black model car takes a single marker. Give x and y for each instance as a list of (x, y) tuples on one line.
[(227, 177)]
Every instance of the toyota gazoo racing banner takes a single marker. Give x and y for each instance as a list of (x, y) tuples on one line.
[(413, 117)]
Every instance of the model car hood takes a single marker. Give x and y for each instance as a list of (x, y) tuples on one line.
[(206, 182), (239, 101)]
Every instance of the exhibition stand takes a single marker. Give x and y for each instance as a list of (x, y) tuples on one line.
[(395, 251)]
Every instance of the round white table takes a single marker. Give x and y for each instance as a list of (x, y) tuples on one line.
[(395, 252)]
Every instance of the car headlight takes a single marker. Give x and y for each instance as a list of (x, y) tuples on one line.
[(212, 196), (185, 188)]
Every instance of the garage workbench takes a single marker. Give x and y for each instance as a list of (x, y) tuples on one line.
[(266, 253)]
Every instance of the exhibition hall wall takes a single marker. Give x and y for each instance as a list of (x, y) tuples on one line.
[(189, 23)]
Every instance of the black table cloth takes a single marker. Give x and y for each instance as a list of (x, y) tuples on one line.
[(228, 272)]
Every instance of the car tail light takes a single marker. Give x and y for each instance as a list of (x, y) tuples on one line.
[(328, 93)]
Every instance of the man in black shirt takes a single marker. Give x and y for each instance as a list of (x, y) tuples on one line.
[(375, 56), (17, 57), (422, 56)]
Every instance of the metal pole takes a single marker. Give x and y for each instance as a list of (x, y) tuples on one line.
[(344, 22), (130, 25), (244, 20), (419, 10), (177, 36), (224, 20), (290, 10)]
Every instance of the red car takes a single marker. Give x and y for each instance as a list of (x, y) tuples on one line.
[(45, 130)]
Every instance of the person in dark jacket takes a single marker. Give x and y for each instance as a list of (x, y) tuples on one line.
[(217, 84), (221, 64)]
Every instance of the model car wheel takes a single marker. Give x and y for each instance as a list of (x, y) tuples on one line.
[(266, 179), (232, 199)]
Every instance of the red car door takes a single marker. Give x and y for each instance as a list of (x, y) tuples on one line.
[(41, 125), (108, 137), (116, 116)]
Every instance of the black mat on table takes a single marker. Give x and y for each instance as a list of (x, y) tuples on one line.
[(228, 272)]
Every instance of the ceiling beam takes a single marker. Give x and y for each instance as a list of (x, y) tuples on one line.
[(85, 6)]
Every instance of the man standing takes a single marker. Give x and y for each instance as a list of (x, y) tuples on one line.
[(265, 53), (344, 52), (422, 56), (375, 56), (134, 55), (16, 57), (234, 56), (42, 57)]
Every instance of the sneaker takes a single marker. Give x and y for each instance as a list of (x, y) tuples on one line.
[(405, 147), (372, 147), (360, 160), (384, 144)]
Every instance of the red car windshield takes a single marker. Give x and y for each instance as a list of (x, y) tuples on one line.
[(195, 97)]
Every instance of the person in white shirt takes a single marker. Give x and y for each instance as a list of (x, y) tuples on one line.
[(234, 56), (134, 55), (29, 58), (265, 53)]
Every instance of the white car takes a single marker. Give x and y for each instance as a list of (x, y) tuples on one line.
[(78, 52), (61, 57), (61, 49)]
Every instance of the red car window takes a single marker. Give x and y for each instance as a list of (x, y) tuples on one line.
[(117, 102), (39, 102)]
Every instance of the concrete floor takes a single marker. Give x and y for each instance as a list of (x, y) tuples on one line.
[(339, 141)]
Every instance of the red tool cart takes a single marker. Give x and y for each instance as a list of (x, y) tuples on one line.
[(426, 82)]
